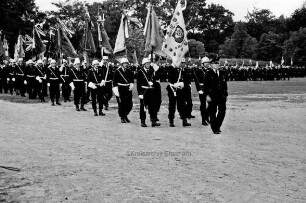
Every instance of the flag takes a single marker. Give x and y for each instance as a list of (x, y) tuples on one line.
[(6, 47), (271, 64), (122, 35), (153, 34), (135, 57), (19, 51), (256, 66), (2, 51), (37, 45), (176, 43), (291, 61), (103, 37), (282, 61), (87, 41), (62, 43)]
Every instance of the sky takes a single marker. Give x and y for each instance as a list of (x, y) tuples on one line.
[(238, 7)]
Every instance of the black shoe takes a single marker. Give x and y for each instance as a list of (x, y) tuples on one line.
[(172, 125), (205, 123), (65, 100), (95, 114), (69, 100), (101, 113), (190, 116), (123, 120), (216, 132), (83, 109), (156, 119), (52, 104), (127, 120), (185, 123), (143, 124), (58, 103), (155, 124), (77, 108)]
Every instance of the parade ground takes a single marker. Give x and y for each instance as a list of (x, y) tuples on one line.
[(69, 156)]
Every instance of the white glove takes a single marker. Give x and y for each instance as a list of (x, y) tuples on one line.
[(8, 79), (151, 83), (116, 91), (72, 86), (140, 96), (176, 85), (155, 67), (61, 68), (208, 99), (92, 86), (180, 85), (48, 84), (102, 83), (37, 78), (13, 79), (25, 82), (60, 85), (131, 86), (201, 92), (40, 81)]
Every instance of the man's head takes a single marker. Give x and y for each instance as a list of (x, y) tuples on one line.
[(146, 62), (77, 63), (125, 62), (53, 63), (95, 63)]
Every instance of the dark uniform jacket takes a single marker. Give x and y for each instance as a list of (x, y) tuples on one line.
[(95, 76), (123, 77), (53, 75), (199, 77), (143, 78), (215, 85)]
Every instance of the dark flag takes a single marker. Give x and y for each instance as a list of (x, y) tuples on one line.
[(87, 41), (63, 44), (37, 47), (103, 37)]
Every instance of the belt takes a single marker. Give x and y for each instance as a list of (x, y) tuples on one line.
[(201, 84), (108, 81), (65, 75), (123, 85), (31, 76), (53, 78), (76, 80), (146, 87), (11, 74), (20, 74)]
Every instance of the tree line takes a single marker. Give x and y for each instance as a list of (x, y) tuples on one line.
[(211, 28)]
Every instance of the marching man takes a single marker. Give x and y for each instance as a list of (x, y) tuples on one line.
[(96, 81), (78, 84), (53, 82), (123, 82), (147, 95)]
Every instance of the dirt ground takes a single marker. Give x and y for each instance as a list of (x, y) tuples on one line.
[(69, 156)]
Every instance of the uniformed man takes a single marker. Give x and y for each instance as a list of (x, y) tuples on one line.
[(44, 82), (146, 93), (20, 77), (66, 89), (199, 75), (215, 87), (123, 82), (54, 82), (108, 70), (176, 95), (96, 80), (11, 75), (78, 84), (40, 77), (188, 77), (31, 79)]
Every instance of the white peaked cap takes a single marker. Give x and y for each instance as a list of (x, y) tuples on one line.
[(95, 62), (39, 61), (205, 59), (53, 61), (124, 60), (76, 61), (145, 60)]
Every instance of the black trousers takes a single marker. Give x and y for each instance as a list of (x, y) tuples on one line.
[(148, 102), (217, 110), (157, 99), (31, 87), (54, 90), (79, 93), (107, 93), (203, 109), (66, 91), (20, 85), (125, 102), (188, 99), (10, 85), (179, 101), (45, 88), (97, 97), (39, 90)]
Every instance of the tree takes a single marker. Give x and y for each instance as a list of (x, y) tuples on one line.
[(298, 19), (295, 46), (240, 44), (270, 47), (196, 48), (18, 16)]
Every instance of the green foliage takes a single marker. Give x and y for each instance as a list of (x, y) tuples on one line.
[(295, 47), (196, 48), (270, 47)]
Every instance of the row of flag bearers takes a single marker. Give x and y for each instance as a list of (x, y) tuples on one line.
[(102, 81)]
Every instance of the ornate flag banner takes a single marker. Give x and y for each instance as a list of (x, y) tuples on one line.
[(176, 43)]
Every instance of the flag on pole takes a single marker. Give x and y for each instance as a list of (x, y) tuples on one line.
[(122, 35), (176, 43), (291, 61), (88, 41), (2, 51), (153, 33), (135, 57), (282, 61), (19, 51), (271, 64), (6, 47), (103, 37), (37, 45), (256, 66), (62, 42)]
